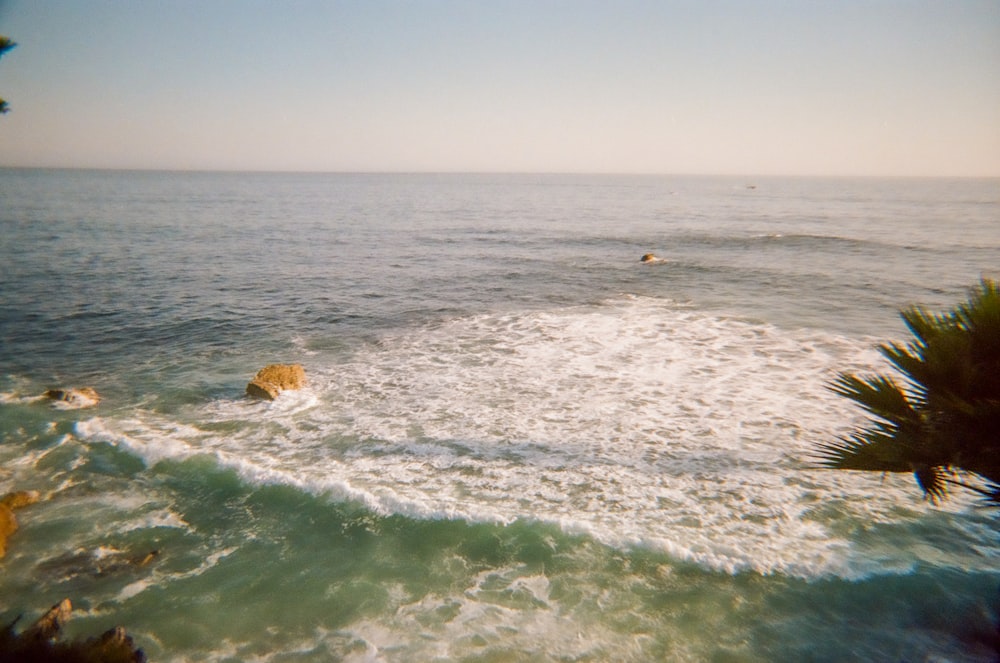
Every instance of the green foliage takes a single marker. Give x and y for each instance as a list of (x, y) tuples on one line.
[(944, 418), (5, 45)]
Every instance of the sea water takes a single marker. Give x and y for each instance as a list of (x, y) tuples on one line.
[(518, 442)]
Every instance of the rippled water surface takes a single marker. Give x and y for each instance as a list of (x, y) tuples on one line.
[(518, 443)]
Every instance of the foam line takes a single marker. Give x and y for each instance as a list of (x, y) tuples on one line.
[(637, 421)]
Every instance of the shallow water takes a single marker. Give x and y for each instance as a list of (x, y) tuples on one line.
[(517, 442)]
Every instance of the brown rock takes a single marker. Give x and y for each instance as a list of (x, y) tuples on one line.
[(40, 642), (20, 498), (147, 558), (113, 641), (276, 378), (50, 624), (112, 646), (651, 259), (8, 525), (8, 521), (75, 398)]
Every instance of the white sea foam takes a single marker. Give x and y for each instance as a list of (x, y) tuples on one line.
[(163, 517), (159, 578), (74, 400), (499, 608), (637, 421), (14, 398)]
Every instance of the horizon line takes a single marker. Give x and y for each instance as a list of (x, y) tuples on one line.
[(554, 173)]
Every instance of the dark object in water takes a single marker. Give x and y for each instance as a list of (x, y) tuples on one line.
[(95, 564), (74, 398), (39, 642)]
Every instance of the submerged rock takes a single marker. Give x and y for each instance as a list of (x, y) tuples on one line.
[(8, 521), (276, 378), (95, 564), (74, 398)]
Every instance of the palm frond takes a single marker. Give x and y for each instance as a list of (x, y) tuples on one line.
[(6, 44), (931, 479), (982, 311), (924, 325), (993, 495), (873, 450), (945, 414), (879, 395), (907, 358)]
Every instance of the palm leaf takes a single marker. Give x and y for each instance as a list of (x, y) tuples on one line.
[(873, 450), (879, 395), (932, 481), (945, 415), (993, 496)]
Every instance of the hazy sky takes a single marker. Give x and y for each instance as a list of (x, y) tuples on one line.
[(842, 87)]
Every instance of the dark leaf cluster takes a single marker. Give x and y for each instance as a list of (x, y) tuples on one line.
[(5, 45), (940, 419)]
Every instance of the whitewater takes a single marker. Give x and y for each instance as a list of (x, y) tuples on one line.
[(517, 442)]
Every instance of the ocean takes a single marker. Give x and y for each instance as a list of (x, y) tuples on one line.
[(517, 443)]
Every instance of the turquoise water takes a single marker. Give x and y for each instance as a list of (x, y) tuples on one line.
[(517, 444)]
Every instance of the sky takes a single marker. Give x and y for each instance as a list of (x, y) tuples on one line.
[(743, 87)]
